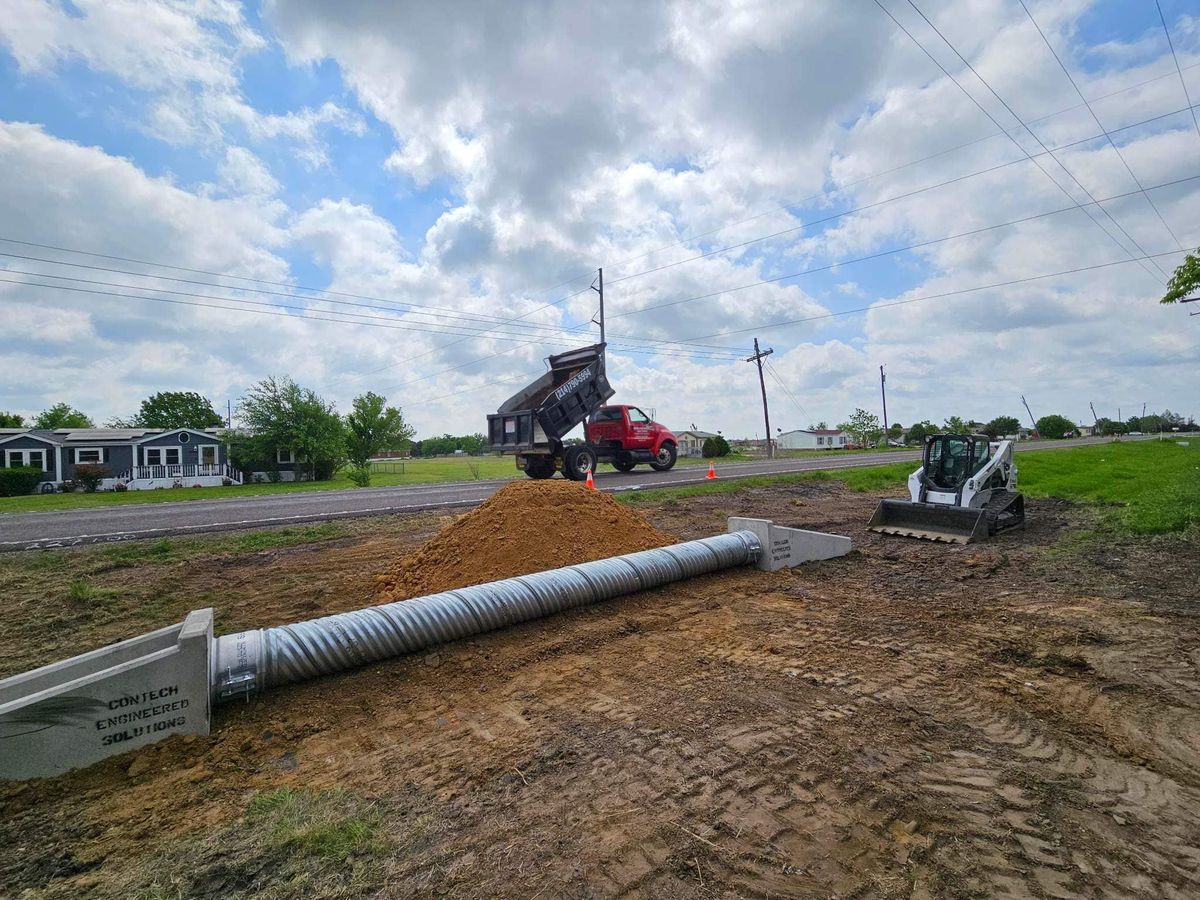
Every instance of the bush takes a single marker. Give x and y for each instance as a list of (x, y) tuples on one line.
[(90, 475), (120, 486), (360, 476), (714, 447), (20, 480), (226, 481)]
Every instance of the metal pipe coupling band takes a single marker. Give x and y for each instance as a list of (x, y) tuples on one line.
[(256, 660)]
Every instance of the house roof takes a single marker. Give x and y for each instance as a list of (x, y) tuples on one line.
[(702, 434), (43, 436), (814, 431), (97, 435)]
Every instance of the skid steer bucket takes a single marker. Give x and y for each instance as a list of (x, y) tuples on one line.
[(927, 521)]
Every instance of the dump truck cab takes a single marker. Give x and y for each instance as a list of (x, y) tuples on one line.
[(627, 436)]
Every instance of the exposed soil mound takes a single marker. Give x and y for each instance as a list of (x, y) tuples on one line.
[(528, 526)]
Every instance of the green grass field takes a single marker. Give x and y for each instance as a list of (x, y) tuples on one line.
[(416, 471), (1147, 487)]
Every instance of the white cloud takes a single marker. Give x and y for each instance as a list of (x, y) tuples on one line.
[(563, 137), (186, 55)]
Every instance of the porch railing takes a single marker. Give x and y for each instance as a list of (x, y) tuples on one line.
[(170, 473)]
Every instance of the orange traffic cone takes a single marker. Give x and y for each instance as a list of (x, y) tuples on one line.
[(712, 471), (591, 482)]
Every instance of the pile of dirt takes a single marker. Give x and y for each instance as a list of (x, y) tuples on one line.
[(528, 526)]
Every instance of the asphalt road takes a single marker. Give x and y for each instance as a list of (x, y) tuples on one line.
[(74, 527)]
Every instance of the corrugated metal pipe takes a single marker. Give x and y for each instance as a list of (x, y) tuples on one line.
[(253, 661)]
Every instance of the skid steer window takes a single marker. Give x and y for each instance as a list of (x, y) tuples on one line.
[(949, 463)]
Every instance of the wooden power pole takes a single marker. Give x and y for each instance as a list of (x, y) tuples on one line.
[(883, 392), (758, 357), (598, 287), (1031, 418)]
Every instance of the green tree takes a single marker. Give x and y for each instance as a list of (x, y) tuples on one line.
[(918, 432), (1002, 425), (714, 447), (863, 426), (374, 426), (176, 409), (957, 425), (1185, 281), (1054, 426), (62, 415), (895, 431), (1111, 427), (470, 444), (11, 420), (278, 414)]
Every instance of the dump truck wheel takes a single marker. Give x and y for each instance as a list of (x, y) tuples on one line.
[(665, 459), (539, 467), (578, 461)]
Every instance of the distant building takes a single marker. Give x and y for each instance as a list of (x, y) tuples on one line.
[(814, 439), (691, 443)]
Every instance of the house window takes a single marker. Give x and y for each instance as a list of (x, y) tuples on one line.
[(184, 437), (89, 455), (35, 458), (820, 441), (285, 456), (154, 456), (172, 455), (208, 454)]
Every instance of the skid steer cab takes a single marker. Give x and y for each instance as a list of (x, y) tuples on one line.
[(965, 490)]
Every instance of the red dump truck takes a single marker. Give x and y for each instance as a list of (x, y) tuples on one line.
[(534, 421)]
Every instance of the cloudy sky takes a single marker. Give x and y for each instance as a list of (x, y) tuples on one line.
[(413, 198)]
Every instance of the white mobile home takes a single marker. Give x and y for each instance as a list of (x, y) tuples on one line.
[(814, 439)]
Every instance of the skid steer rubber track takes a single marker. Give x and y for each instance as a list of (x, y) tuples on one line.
[(1005, 510), (930, 522)]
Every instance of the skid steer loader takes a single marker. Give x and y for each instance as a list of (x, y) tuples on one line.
[(965, 490)]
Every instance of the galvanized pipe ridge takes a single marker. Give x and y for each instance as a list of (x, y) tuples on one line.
[(257, 660)]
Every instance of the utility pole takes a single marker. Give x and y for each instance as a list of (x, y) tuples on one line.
[(598, 287), (883, 392), (758, 357), (1095, 418), (228, 413), (1032, 420)]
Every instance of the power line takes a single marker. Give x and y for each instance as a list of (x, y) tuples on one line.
[(1015, 142), (298, 312), (471, 318), (1096, 119), (1026, 157), (842, 188), (1182, 83), (891, 252), (283, 284), (414, 309), (983, 287), (779, 380)]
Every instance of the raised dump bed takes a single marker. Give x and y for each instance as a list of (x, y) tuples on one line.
[(541, 414)]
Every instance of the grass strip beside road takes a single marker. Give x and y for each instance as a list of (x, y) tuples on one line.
[(1148, 487), (438, 470)]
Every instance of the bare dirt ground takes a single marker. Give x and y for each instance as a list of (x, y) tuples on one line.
[(1019, 718)]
